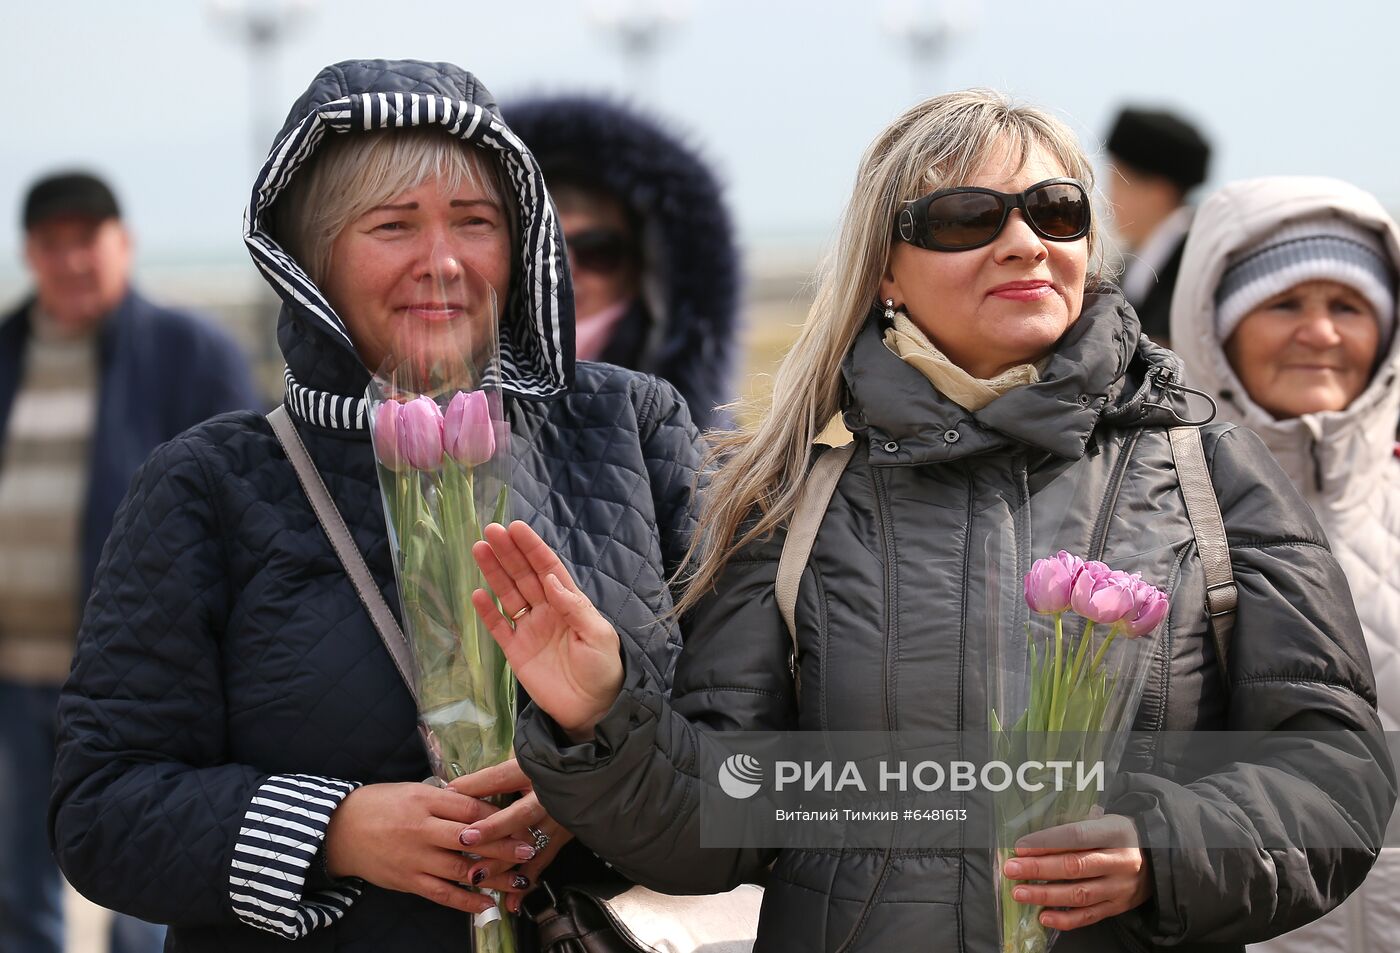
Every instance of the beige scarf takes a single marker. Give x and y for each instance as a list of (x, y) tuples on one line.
[(912, 346)]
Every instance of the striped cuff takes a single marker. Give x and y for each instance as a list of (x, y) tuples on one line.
[(281, 833)]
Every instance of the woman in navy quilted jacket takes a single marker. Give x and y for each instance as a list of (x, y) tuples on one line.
[(239, 757)]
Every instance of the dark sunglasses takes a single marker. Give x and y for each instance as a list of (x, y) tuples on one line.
[(968, 217), (600, 250)]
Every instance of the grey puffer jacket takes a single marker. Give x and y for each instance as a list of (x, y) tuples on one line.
[(891, 633)]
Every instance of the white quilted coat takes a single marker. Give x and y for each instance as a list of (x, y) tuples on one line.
[(1344, 463)]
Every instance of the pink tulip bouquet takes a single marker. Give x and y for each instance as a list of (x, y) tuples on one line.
[(443, 456), (1062, 697)]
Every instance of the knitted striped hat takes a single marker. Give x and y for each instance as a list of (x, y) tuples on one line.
[(1318, 249)]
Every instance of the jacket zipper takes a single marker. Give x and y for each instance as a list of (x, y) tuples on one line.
[(1161, 377), (1110, 498), (1023, 522), (962, 605), (891, 590)]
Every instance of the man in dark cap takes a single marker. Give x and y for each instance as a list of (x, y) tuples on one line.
[(92, 378), (1157, 159)]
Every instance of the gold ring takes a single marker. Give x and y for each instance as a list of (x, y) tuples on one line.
[(520, 615)]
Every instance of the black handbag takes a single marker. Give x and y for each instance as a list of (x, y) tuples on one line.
[(574, 921)]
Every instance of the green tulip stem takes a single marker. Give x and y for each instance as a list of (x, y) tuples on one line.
[(1079, 656), (1098, 657), (1056, 698)]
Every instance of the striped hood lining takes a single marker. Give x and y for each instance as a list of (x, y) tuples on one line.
[(536, 330), (323, 408)]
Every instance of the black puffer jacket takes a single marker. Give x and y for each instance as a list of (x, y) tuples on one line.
[(892, 630), (229, 688), (684, 326)]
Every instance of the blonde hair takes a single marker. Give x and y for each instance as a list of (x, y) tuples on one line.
[(355, 172), (939, 143)]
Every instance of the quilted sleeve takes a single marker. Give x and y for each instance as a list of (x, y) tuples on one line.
[(148, 816), (673, 449)]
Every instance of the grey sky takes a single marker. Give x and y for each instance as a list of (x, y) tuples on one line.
[(782, 95)]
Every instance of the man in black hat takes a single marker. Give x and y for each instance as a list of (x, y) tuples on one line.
[(92, 378), (1157, 159)]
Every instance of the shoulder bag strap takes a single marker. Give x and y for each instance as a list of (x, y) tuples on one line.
[(802, 534), (343, 544), (1203, 510)]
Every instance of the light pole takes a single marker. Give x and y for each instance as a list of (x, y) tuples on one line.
[(925, 33), (261, 25), (637, 27)]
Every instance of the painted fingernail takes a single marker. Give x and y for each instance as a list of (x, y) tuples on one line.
[(469, 836), (520, 881), (525, 852), (1013, 868), (478, 875)]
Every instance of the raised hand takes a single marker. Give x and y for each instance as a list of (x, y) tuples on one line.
[(561, 649)]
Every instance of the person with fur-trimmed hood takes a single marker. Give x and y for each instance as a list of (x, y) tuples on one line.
[(651, 244)]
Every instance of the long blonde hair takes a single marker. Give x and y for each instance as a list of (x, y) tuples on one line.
[(941, 142)]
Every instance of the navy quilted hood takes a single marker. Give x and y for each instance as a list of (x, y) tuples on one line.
[(326, 379), (691, 284)]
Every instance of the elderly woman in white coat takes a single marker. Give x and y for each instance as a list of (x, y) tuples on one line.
[(1285, 314)]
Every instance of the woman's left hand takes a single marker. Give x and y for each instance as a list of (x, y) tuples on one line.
[(1095, 869), (511, 826)]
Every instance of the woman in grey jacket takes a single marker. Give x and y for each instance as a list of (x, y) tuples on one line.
[(1285, 314), (980, 366)]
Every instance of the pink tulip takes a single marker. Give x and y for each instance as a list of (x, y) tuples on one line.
[(1149, 609), (420, 434), (1050, 581), (467, 432), (1101, 594), (386, 434)]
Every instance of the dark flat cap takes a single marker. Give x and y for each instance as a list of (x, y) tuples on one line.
[(1162, 143), (69, 193)]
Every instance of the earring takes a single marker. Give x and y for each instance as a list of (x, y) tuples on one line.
[(889, 309)]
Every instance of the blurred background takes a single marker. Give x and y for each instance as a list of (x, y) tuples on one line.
[(175, 102)]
